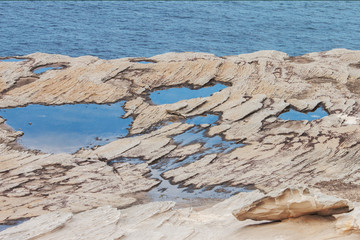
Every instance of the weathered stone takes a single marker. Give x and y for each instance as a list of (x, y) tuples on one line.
[(160, 220), (292, 203), (277, 153)]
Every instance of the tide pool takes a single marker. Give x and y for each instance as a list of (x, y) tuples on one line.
[(66, 128)]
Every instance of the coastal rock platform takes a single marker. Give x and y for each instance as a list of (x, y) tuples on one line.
[(274, 153)]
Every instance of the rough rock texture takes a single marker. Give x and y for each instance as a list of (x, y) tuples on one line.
[(292, 203), (322, 153), (34, 183), (159, 220)]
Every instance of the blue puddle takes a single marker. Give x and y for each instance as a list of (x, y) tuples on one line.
[(44, 69), (173, 95), (298, 116), (208, 119), (13, 60), (145, 62), (168, 191), (66, 128), (14, 223), (215, 144)]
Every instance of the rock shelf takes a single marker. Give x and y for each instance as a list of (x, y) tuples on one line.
[(274, 153)]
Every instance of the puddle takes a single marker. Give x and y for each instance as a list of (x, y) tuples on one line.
[(173, 95), (298, 116), (211, 145), (168, 191), (13, 224), (207, 119), (66, 128), (40, 70), (145, 62), (13, 60)]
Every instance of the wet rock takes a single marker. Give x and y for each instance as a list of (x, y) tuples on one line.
[(292, 203)]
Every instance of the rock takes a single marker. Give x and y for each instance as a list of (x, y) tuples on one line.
[(37, 227), (322, 153), (162, 220), (292, 203)]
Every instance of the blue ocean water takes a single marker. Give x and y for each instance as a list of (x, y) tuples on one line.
[(118, 29)]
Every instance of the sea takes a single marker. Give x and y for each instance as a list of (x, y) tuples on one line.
[(116, 29)]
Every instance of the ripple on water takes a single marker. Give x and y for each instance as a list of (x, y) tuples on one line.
[(66, 128)]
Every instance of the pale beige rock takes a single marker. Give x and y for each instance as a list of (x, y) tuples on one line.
[(36, 227), (277, 153), (292, 203), (160, 220)]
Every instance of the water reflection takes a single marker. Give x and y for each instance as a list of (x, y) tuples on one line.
[(207, 119), (13, 60), (44, 69), (67, 128), (12, 224), (298, 116), (173, 95)]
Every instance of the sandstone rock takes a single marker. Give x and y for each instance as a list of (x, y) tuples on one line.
[(37, 227), (292, 203), (260, 86), (160, 220)]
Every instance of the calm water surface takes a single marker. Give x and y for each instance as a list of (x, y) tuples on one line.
[(67, 128)]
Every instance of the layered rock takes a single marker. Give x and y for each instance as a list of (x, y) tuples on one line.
[(323, 153), (292, 203), (160, 220)]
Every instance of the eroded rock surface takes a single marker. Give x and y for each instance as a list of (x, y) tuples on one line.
[(292, 203), (322, 153), (160, 220)]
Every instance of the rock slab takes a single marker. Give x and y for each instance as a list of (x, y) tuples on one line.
[(292, 203)]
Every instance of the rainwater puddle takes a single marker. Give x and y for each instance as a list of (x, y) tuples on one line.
[(66, 128), (44, 69), (173, 95), (13, 60), (298, 116), (13, 224)]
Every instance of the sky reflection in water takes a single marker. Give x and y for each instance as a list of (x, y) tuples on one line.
[(44, 69), (298, 116), (66, 128), (173, 95)]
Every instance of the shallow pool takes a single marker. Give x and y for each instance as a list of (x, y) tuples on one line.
[(298, 116), (173, 95), (13, 60), (40, 70), (67, 128)]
